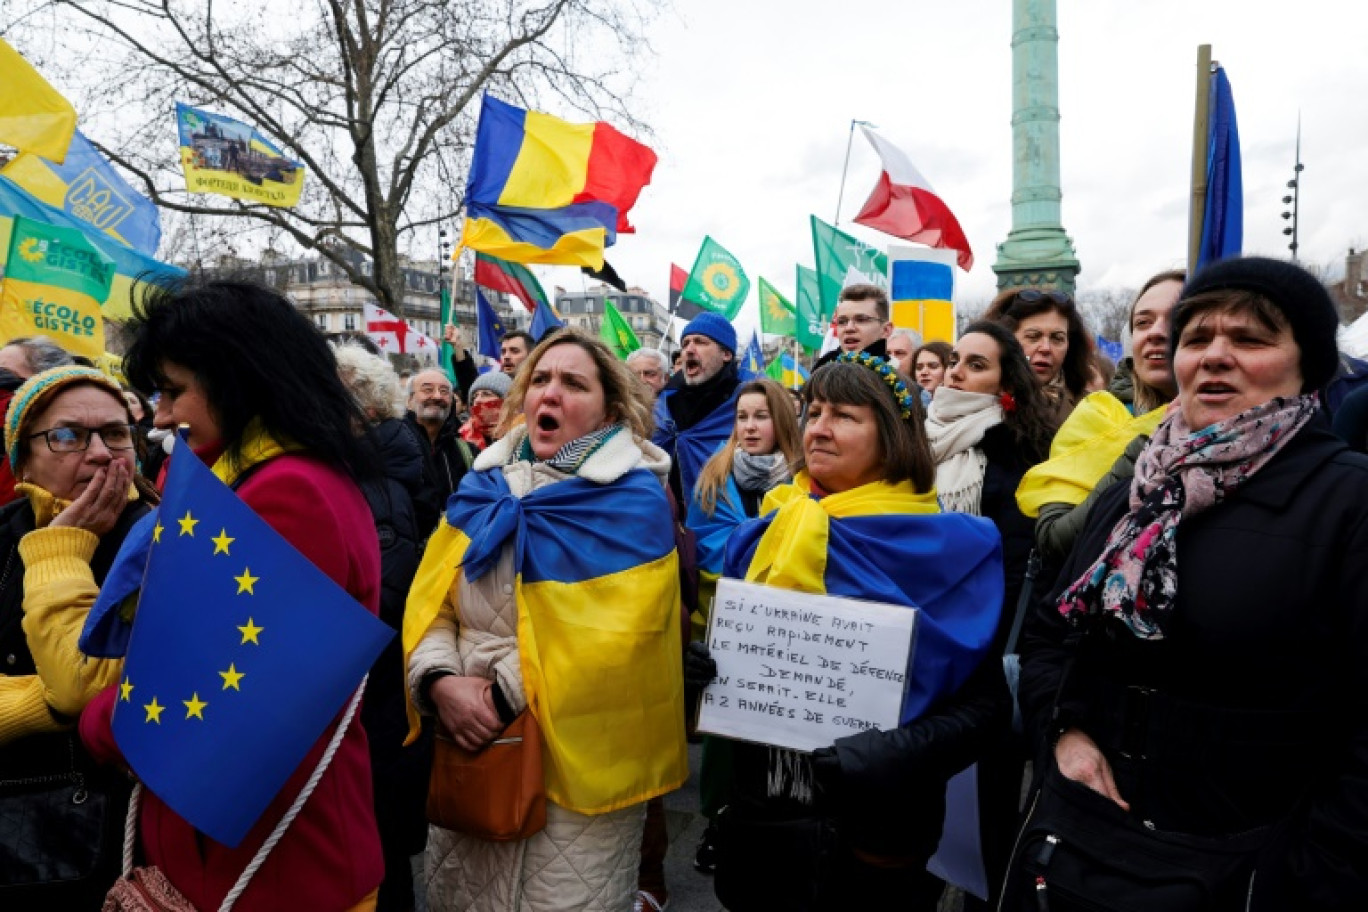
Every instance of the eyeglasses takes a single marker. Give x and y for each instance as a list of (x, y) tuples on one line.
[(76, 439), (857, 319), (1033, 295)]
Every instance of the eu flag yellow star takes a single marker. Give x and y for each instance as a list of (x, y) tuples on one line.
[(187, 524), (194, 707), (232, 676), (222, 541), (249, 633), (156, 533), (154, 711), (246, 581), (125, 690)]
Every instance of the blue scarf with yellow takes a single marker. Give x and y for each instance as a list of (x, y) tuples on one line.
[(885, 543), (598, 624)]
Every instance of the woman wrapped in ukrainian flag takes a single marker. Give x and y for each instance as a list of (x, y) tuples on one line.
[(552, 586), (852, 826)]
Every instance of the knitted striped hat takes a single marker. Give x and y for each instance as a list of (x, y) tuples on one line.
[(28, 399)]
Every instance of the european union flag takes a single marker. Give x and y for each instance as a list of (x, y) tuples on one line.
[(242, 652), (544, 320), (491, 328)]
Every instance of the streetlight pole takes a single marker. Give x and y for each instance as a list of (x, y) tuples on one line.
[(1294, 199)]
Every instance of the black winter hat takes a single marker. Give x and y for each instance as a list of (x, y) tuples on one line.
[(1303, 300)]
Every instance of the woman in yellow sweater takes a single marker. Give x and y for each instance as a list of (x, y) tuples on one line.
[(69, 439)]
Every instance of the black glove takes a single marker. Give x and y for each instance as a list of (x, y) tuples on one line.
[(699, 667)]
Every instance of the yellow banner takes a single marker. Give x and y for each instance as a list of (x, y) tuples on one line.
[(34, 117), (69, 318)]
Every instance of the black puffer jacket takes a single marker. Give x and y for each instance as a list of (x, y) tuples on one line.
[(443, 463), (399, 773), (1254, 707)]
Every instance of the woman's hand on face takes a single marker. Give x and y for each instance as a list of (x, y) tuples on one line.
[(98, 507), (466, 708), (1080, 759)]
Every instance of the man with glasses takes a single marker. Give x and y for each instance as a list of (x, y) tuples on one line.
[(862, 323), (446, 457)]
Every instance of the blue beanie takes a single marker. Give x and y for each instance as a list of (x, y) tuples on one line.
[(715, 327)]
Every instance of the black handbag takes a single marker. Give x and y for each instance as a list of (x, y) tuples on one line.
[(61, 833), (767, 861), (1080, 852)]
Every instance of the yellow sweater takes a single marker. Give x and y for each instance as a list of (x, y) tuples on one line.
[(59, 590)]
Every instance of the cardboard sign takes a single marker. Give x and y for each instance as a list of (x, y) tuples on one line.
[(799, 670)]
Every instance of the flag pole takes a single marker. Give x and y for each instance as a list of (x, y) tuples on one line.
[(846, 167), (1201, 122)]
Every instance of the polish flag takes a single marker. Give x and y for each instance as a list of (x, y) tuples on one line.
[(393, 335), (904, 205)]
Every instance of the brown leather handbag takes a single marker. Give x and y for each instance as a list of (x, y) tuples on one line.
[(497, 793)]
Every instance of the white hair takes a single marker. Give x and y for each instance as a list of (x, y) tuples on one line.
[(372, 381), (655, 355), (911, 334)]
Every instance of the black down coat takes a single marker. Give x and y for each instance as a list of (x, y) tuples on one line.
[(1253, 709)]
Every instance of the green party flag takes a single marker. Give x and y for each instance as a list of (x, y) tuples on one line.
[(616, 332), (776, 313), (844, 260), (811, 321), (54, 282), (717, 281)]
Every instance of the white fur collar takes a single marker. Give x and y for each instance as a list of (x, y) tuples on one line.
[(619, 455)]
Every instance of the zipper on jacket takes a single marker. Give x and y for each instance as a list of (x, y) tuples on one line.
[(1042, 895), (1016, 847)]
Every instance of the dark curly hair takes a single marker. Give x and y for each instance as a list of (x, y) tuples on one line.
[(257, 357), (1030, 421), (1010, 310)]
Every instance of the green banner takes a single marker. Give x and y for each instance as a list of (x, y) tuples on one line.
[(617, 333), (844, 260), (717, 281), (776, 313), (811, 322), (54, 282)]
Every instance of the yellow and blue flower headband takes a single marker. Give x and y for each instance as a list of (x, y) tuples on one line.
[(887, 374)]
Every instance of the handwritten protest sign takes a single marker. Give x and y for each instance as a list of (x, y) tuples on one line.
[(800, 670)]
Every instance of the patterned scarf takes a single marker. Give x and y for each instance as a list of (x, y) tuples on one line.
[(1180, 474), (570, 457), (760, 473)]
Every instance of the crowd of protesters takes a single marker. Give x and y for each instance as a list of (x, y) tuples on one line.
[(1142, 605)]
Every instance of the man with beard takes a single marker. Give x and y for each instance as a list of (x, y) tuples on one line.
[(513, 350), (694, 411), (862, 323), (446, 457)]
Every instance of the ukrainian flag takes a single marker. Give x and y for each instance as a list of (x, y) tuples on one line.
[(543, 190), (787, 371), (87, 188), (598, 625), (129, 264)]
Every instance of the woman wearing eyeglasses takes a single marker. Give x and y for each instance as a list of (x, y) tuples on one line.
[(1055, 341), (69, 439)]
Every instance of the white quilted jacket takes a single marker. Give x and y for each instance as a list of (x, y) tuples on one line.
[(578, 862)]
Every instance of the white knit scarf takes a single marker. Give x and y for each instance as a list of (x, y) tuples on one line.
[(955, 423)]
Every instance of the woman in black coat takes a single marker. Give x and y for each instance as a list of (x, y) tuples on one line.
[(1203, 666)]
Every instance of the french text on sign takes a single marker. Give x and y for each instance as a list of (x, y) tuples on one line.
[(800, 670)]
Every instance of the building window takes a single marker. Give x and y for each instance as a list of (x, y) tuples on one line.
[(349, 322), (322, 321), (588, 305)]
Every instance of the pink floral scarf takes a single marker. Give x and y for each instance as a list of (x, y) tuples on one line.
[(1180, 474)]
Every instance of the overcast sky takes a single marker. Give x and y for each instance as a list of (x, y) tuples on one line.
[(752, 102)]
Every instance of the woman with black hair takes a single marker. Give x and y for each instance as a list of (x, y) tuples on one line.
[(988, 424), (257, 388), (1050, 331)]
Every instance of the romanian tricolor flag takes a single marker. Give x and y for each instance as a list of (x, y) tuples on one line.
[(510, 278), (598, 623), (54, 282), (544, 190)]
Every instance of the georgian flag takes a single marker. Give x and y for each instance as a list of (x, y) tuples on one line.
[(395, 336)]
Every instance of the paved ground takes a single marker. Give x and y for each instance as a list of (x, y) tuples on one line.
[(690, 891)]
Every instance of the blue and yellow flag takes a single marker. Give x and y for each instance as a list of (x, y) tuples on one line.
[(242, 653), (787, 371), (223, 155), (130, 266), (54, 282), (598, 625), (34, 117), (885, 543), (694, 446), (87, 188), (752, 360)]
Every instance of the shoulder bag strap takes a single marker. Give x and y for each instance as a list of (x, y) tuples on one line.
[(1023, 601)]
